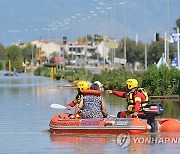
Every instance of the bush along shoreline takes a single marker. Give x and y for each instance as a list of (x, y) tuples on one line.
[(160, 81)]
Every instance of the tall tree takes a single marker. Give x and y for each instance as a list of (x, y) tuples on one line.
[(85, 39), (13, 53), (177, 24), (156, 49), (28, 51), (134, 52), (2, 52)]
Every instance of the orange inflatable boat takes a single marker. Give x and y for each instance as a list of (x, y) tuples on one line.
[(168, 125), (61, 123)]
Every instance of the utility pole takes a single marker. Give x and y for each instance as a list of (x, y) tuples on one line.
[(145, 47), (178, 54), (125, 32), (32, 60), (167, 48)]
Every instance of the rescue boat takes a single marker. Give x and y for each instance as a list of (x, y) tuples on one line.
[(61, 123), (64, 123)]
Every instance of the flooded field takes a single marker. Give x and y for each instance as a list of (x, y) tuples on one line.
[(25, 114)]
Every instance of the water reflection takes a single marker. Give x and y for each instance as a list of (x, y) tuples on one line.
[(151, 143), (86, 139), (144, 143), (171, 109), (84, 143)]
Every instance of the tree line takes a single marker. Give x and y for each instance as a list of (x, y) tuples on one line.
[(135, 53), (16, 55)]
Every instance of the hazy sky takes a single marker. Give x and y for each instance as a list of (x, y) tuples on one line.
[(26, 20)]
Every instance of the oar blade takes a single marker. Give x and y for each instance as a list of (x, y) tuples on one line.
[(58, 106)]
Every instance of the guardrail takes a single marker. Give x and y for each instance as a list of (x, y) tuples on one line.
[(165, 98)]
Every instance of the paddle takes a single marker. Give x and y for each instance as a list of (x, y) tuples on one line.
[(58, 106)]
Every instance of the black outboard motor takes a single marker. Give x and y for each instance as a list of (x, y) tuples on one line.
[(155, 109), (152, 110)]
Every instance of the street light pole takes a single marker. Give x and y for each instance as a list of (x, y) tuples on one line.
[(178, 54), (32, 61), (124, 31), (145, 44), (167, 48), (113, 16)]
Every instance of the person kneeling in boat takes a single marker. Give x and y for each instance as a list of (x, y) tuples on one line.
[(92, 104), (136, 98), (81, 86)]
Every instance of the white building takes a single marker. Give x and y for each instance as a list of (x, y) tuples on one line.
[(77, 49), (103, 50), (48, 47)]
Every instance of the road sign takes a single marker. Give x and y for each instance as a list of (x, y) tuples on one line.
[(174, 37), (174, 63)]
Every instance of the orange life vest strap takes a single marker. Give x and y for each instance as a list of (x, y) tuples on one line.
[(91, 92)]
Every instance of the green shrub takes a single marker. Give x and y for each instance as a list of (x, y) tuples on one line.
[(157, 81), (161, 81), (1, 65), (74, 74), (114, 79), (49, 65), (42, 71)]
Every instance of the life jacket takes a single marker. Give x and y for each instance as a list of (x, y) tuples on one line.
[(78, 98), (131, 100), (144, 92), (91, 92), (92, 106)]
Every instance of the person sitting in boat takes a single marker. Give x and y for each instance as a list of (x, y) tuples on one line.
[(137, 99), (92, 104), (81, 86)]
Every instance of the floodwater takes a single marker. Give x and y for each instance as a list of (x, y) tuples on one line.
[(25, 113)]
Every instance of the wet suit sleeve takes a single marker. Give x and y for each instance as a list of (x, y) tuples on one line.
[(138, 98), (74, 102), (137, 106), (120, 94)]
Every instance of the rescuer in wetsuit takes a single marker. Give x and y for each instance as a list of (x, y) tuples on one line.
[(136, 98), (82, 85)]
